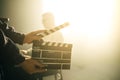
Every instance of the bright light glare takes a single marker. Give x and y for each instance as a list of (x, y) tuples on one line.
[(91, 30), (88, 17), (90, 20)]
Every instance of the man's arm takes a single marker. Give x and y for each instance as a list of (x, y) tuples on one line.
[(10, 56), (9, 52), (18, 37), (10, 32)]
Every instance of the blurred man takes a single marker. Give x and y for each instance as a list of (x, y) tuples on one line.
[(48, 21)]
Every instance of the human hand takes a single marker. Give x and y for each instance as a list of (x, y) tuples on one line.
[(25, 54), (32, 66), (32, 36)]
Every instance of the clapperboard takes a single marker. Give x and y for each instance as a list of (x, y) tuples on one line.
[(54, 55)]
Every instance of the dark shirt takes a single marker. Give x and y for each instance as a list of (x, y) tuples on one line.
[(9, 57), (9, 52), (10, 32)]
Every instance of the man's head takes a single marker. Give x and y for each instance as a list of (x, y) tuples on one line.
[(48, 20)]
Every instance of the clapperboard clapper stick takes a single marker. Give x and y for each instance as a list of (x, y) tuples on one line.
[(53, 29)]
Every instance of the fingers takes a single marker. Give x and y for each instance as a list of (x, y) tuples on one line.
[(32, 66), (23, 52), (38, 67), (37, 64), (36, 37), (38, 31), (32, 36), (27, 57), (40, 70)]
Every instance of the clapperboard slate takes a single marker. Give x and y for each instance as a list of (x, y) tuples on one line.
[(54, 55)]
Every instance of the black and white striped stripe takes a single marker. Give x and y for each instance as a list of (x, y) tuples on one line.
[(55, 44), (53, 30)]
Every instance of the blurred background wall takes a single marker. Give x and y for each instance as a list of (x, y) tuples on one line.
[(25, 15)]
